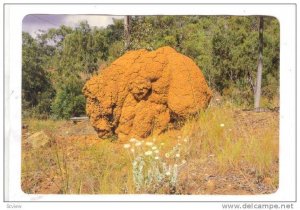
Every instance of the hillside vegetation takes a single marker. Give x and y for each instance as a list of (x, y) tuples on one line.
[(56, 63)]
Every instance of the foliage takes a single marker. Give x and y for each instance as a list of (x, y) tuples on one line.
[(82, 52), (69, 100), (224, 47), (37, 91)]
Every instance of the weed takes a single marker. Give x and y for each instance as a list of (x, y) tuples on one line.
[(152, 168)]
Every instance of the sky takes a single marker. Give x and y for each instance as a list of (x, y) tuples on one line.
[(33, 23)]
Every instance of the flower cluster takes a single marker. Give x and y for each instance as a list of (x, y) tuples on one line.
[(152, 167)]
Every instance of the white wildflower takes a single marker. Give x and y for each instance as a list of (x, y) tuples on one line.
[(134, 163), (177, 155), (133, 140), (126, 146), (156, 151), (132, 150), (154, 148), (149, 143), (156, 158), (137, 144), (222, 125), (168, 173), (183, 161), (148, 153), (186, 139), (167, 155)]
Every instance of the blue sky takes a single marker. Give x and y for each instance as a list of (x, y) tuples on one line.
[(35, 22)]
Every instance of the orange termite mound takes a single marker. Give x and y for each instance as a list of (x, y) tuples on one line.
[(144, 92)]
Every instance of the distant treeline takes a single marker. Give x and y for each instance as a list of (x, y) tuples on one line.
[(56, 63)]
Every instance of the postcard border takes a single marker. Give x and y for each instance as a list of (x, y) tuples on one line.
[(4, 162)]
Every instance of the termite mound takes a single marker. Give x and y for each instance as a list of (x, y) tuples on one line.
[(144, 92)]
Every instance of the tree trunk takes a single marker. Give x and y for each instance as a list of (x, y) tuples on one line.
[(260, 64), (127, 32)]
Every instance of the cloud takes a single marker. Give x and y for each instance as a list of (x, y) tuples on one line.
[(93, 20), (33, 23)]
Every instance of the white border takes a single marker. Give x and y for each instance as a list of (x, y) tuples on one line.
[(13, 22)]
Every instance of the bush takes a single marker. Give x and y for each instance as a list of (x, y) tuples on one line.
[(69, 100)]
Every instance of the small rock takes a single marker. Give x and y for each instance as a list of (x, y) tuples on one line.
[(210, 186), (38, 139)]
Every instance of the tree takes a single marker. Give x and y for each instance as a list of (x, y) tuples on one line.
[(37, 91), (82, 52), (69, 100), (127, 32), (260, 64)]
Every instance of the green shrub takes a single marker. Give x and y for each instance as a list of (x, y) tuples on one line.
[(69, 100)]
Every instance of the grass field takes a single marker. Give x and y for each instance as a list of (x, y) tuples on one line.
[(224, 150)]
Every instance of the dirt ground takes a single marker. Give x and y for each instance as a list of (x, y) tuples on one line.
[(199, 177)]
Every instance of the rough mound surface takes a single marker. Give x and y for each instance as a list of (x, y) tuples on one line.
[(144, 92)]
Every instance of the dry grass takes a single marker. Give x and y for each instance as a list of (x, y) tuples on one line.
[(234, 139), (35, 125), (225, 143), (237, 140)]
